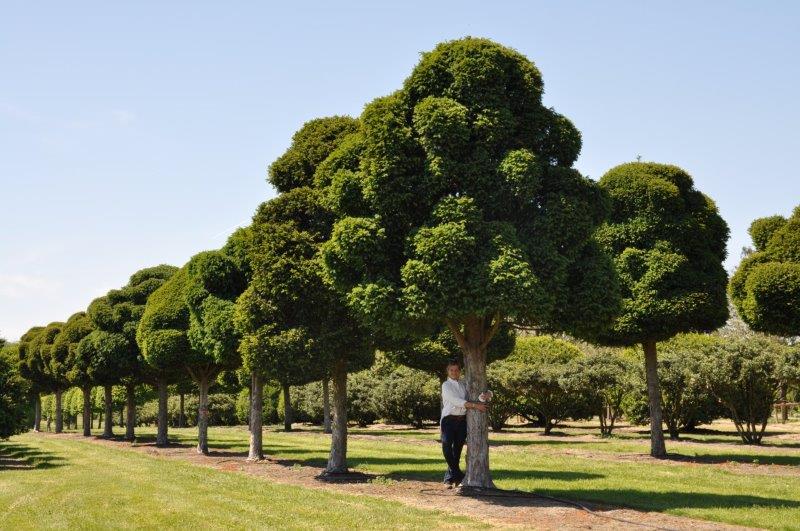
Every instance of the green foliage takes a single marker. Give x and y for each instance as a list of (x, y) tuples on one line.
[(668, 241), (53, 364), (310, 146), (270, 407), (31, 365), (743, 375), (468, 207), (603, 379), (536, 374), (14, 393), (766, 287), (78, 362), (162, 331), (408, 396), (112, 347)]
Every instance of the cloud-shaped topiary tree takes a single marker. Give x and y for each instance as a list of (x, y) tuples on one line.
[(668, 241), (766, 286), (78, 362), (460, 207)]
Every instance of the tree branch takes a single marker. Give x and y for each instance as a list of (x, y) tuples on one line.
[(492, 330), (459, 335)]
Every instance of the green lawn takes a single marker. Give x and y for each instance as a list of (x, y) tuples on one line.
[(761, 488), (59, 483)]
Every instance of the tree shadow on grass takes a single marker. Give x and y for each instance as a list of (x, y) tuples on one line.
[(20, 456), (663, 501), (754, 459)]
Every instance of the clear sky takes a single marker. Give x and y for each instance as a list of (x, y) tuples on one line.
[(139, 134)]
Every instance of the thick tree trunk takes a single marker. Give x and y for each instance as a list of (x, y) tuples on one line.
[(473, 343), (87, 411), (287, 409), (37, 413), (162, 438), (250, 405), (59, 413), (326, 406), (256, 411), (337, 461), (202, 417), (657, 446), (182, 413), (108, 417), (130, 421), (99, 420)]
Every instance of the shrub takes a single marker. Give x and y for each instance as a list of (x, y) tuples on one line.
[(408, 396)]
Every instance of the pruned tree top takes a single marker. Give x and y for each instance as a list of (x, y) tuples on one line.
[(766, 287), (668, 241)]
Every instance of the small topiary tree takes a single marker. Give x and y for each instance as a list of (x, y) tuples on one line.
[(31, 367), (54, 366), (79, 362), (766, 286), (668, 241), (14, 392)]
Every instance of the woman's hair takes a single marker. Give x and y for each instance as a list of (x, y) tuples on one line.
[(453, 361)]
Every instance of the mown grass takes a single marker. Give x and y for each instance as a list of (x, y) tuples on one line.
[(693, 483), (48, 482)]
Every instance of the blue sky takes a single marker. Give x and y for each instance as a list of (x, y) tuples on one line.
[(139, 134)]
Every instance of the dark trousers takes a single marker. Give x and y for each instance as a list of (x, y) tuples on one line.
[(454, 433)]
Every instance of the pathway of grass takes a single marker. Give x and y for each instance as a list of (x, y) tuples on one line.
[(48, 482)]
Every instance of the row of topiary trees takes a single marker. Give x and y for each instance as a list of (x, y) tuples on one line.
[(443, 218)]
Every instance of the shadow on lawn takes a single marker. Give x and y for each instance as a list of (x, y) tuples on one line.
[(662, 501), (20, 456)]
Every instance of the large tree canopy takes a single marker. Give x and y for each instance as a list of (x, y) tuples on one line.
[(766, 287), (461, 207), (53, 364), (668, 241)]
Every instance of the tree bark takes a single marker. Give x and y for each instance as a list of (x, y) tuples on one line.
[(99, 420), (337, 460), (37, 413), (202, 417), (250, 392), (182, 414), (287, 409), (657, 446), (256, 411), (326, 406), (108, 417), (162, 437), (473, 342), (59, 413), (130, 421), (87, 411)]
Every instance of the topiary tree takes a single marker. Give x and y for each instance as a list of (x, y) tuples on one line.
[(408, 396), (31, 367), (214, 280), (766, 286), (295, 325), (162, 339), (78, 362), (669, 244), (14, 392), (463, 210), (116, 357), (55, 367)]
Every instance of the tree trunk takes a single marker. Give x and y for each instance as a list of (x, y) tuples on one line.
[(130, 421), (182, 414), (108, 417), (287, 409), (473, 343), (256, 411), (87, 411), (250, 404), (99, 420), (657, 447), (59, 413), (326, 407), (337, 461), (162, 438), (37, 413), (202, 417)]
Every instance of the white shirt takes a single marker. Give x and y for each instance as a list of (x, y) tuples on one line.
[(454, 396)]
